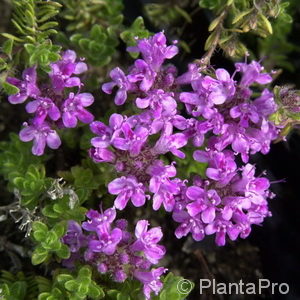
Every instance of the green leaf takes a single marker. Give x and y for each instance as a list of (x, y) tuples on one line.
[(12, 37), (39, 226), (39, 236), (19, 289), (59, 229), (9, 88), (47, 211), (85, 272), (171, 287), (241, 15), (95, 292), (7, 47), (39, 255), (71, 285), (48, 25), (266, 23), (62, 278), (63, 252)]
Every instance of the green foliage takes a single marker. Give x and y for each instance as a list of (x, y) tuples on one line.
[(32, 20), (131, 290), (68, 287), (277, 47), (173, 16), (33, 24), (23, 171), (235, 17), (42, 54), (83, 180), (83, 14), (48, 242), (98, 45), (136, 30), (287, 115), (31, 185), (60, 209), (170, 289), (9, 88), (167, 14), (18, 286)]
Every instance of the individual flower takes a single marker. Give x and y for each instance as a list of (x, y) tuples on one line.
[(73, 109), (131, 140), (252, 73), (96, 218), (160, 184), (245, 112), (27, 87), (154, 50), (147, 241), (74, 237), (41, 134), (62, 71), (127, 188), (122, 82), (107, 239), (221, 165), (150, 280), (159, 103), (43, 107), (143, 73), (220, 89)]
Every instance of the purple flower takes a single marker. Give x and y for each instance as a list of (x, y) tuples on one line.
[(220, 228), (74, 237), (252, 73), (188, 224), (107, 239), (101, 155), (204, 202), (256, 189), (245, 112), (163, 188), (150, 280), (159, 103), (265, 104), (142, 72), (43, 107), (154, 50), (219, 89), (237, 137), (171, 143), (27, 86), (131, 140), (73, 109), (62, 71), (97, 218), (147, 241), (120, 80), (127, 188), (104, 132), (221, 165), (191, 75), (41, 134), (120, 276)]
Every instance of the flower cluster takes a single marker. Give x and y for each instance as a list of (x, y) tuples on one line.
[(51, 104), (106, 244), (223, 116)]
